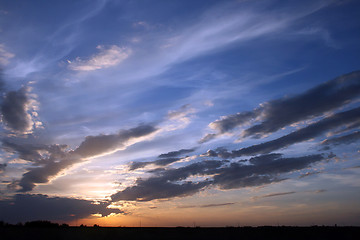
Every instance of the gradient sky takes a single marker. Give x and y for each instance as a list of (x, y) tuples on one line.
[(180, 113)]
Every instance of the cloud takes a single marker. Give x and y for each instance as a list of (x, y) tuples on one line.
[(50, 160), (282, 112), (314, 102), (264, 169), (169, 183), (159, 162), (228, 123), (2, 167), (310, 174), (17, 109), (165, 159), (104, 144), (274, 195), (30, 207), (5, 56), (107, 57), (208, 137), (165, 183), (33, 152), (176, 153), (353, 167), (234, 22), (346, 139), (306, 133), (209, 205), (180, 118), (155, 188)]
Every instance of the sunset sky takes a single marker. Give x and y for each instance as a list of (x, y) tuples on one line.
[(180, 113)]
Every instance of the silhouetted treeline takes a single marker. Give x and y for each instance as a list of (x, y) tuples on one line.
[(39, 223), (47, 230)]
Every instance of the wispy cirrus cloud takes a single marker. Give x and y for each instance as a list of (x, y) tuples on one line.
[(107, 57), (5, 55)]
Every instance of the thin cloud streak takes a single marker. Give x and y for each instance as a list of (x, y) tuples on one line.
[(273, 195)]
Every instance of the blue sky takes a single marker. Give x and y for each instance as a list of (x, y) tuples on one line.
[(247, 111)]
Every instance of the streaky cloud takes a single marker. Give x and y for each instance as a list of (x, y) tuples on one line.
[(97, 145), (283, 112), (264, 169), (176, 153), (58, 158), (306, 133), (346, 139), (208, 205), (273, 195), (165, 159), (164, 184), (170, 183)]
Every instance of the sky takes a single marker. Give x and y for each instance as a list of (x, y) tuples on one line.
[(180, 113)]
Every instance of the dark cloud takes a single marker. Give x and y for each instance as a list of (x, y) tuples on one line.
[(44, 173), (98, 145), (208, 205), (2, 167), (301, 135), (135, 165), (14, 110), (353, 167), (228, 123), (29, 207), (36, 153), (319, 191), (168, 183), (346, 139), (325, 97), (280, 113), (165, 183), (159, 162), (165, 159), (155, 188), (274, 195), (208, 137), (262, 170), (176, 153), (50, 160), (309, 174), (2, 82)]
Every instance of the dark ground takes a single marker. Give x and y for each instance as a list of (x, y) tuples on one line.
[(108, 233)]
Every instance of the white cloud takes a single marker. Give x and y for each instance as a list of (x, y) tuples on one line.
[(107, 57), (5, 56)]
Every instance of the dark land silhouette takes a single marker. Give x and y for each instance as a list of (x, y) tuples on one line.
[(54, 231)]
